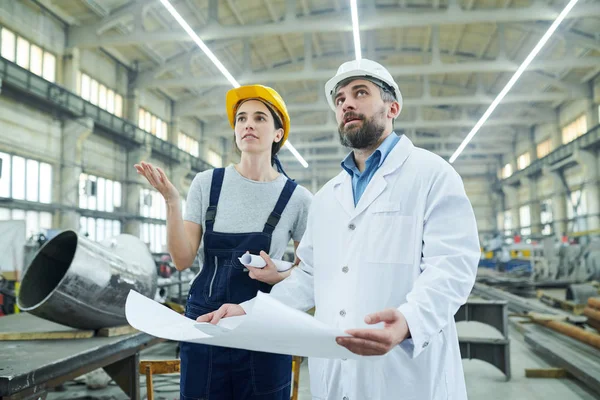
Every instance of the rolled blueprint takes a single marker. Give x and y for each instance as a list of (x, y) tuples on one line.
[(258, 262)]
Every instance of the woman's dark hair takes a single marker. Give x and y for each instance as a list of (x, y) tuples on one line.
[(278, 125)]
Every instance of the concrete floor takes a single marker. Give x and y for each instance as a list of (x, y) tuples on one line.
[(484, 381)]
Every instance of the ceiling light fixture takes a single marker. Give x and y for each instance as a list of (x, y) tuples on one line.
[(514, 79), (218, 64), (355, 28)]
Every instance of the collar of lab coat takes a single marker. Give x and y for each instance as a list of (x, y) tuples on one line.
[(342, 184)]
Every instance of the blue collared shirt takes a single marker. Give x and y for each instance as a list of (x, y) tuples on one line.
[(360, 180)]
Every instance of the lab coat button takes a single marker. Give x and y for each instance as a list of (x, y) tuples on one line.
[(425, 344), (343, 313), (345, 269), (345, 398), (351, 227)]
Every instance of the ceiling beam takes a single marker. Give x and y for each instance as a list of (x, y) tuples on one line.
[(569, 37), (310, 74), (377, 20)]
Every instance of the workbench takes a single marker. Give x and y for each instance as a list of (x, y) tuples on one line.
[(28, 368)]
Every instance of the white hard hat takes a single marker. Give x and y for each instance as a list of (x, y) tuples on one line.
[(361, 68)]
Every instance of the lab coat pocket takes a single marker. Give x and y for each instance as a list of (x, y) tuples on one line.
[(391, 236)]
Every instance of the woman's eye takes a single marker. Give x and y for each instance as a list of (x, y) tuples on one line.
[(241, 119)]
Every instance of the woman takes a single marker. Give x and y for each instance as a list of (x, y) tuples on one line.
[(250, 206)]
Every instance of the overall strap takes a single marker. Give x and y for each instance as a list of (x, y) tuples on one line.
[(215, 192), (283, 200)]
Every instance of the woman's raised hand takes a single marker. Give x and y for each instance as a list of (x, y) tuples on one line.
[(157, 178)]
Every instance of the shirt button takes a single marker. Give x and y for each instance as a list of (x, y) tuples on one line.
[(345, 398), (425, 344), (343, 313), (345, 269), (351, 227)]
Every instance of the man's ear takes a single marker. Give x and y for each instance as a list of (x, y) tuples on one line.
[(394, 110)]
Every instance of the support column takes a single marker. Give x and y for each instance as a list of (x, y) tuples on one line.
[(589, 166), (497, 202), (132, 105), (174, 128), (511, 201), (591, 113), (133, 185), (559, 203), (532, 145), (534, 205), (178, 174), (556, 136), (74, 134), (71, 66)]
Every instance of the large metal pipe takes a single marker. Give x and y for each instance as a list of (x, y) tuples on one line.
[(83, 284), (594, 302), (591, 338)]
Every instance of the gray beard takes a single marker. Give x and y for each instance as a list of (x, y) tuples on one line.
[(365, 137)]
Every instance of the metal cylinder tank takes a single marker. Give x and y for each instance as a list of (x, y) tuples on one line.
[(84, 284)]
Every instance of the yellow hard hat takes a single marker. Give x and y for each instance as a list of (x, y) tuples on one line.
[(259, 92)]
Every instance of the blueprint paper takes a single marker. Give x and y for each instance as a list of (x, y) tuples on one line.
[(258, 262), (270, 327)]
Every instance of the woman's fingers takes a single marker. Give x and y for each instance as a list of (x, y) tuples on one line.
[(162, 175)]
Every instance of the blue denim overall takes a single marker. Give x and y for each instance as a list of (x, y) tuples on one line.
[(219, 373)]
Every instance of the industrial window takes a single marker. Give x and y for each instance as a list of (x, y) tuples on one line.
[(214, 159), (94, 92), (188, 144), (35, 221), (546, 216), (152, 124), (6, 175), (25, 179), (155, 235), (23, 52), (49, 71), (574, 129), (525, 219), (8, 44), (152, 205), (110, 101), (523, 161), (84, 90), (36, 60), (99, 94), (28, 55), (98, 229), (544, 148), (102, 97), (506, 171), (96, 193)]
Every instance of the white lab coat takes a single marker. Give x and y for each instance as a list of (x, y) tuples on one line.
[(410, 243)]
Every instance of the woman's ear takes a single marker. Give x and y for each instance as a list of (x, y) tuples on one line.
[(278, 135)]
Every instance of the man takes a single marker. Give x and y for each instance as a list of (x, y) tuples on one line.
[(391, 243)]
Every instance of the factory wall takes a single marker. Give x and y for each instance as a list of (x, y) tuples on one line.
[(76, 147), (573, 199), (484, 202)]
